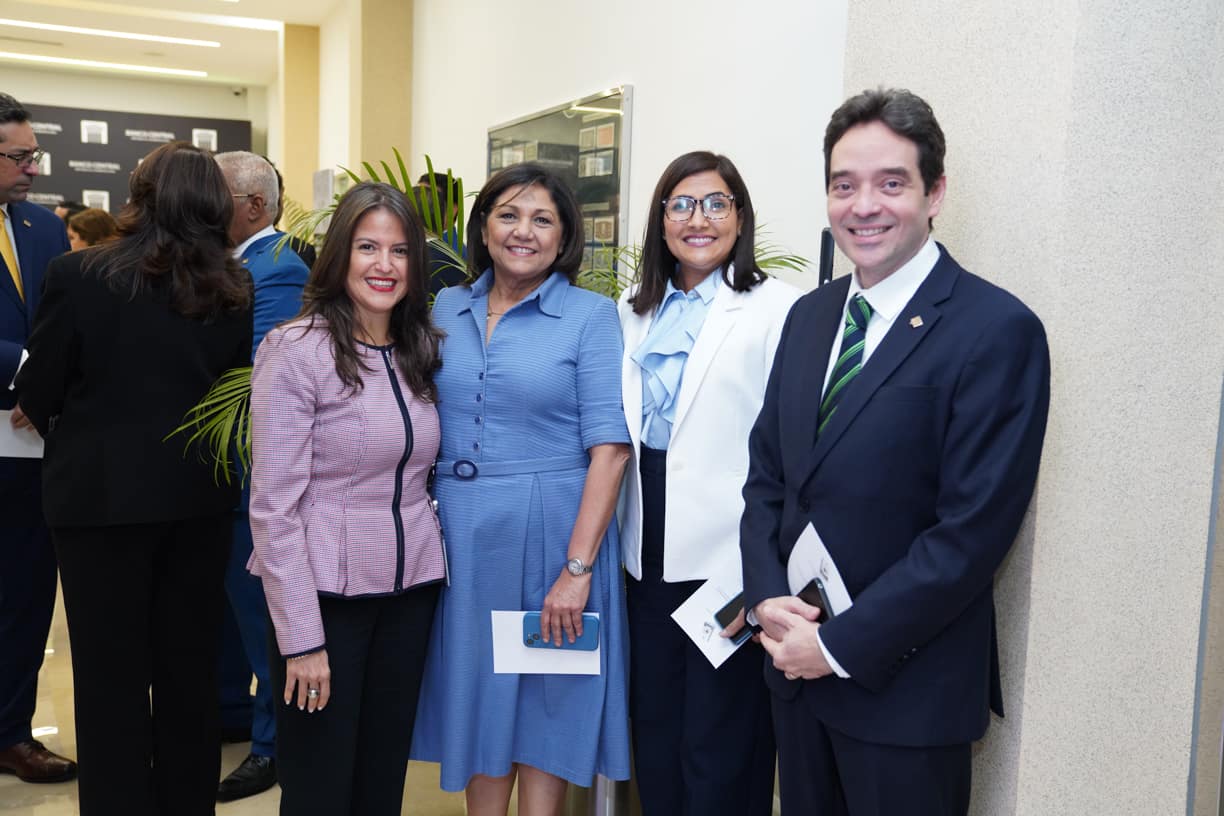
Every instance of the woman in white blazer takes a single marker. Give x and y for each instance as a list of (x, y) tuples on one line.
[(700, 332)]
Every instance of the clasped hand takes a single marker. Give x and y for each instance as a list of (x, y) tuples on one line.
[(789, 634)]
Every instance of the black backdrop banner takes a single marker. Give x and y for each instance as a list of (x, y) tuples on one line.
[(91, 152)]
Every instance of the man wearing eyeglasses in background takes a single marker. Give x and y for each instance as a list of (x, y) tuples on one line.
[(31, 237)]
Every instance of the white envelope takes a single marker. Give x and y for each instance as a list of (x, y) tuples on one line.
[(19, 444), (511, 656), (696, 615), (810, 559)]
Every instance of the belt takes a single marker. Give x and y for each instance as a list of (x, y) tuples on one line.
[(467, 469)]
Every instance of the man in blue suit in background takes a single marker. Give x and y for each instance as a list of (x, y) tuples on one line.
[(279, 277), (903, 420), (32, 236)]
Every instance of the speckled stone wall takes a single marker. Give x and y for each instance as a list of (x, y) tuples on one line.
[(1085, 171)]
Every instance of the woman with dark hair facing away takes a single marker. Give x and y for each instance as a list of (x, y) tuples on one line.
[(128, 337), (90, 227), (534, 445), (344, 434), (700, 333)]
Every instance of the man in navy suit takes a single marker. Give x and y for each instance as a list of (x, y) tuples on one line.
[(279, 276), (32, 236), (903, 420)]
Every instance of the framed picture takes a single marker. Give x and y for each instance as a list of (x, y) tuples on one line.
[(94, 131), (44, 165), (495, 157), (586, 138), (603, 258), (96, 198), (205, 139), (588, 228), (605, 135), (588, 256), (604, 162), (605, 229), (531, 151)]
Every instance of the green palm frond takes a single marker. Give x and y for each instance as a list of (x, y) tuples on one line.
[(220, 424)]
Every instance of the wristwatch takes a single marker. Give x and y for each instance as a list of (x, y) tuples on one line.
[(576, 567)]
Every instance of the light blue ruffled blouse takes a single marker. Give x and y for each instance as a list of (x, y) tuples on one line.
[(664, 352)]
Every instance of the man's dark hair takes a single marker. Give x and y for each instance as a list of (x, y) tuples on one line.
[(902, 112), (12, 111)]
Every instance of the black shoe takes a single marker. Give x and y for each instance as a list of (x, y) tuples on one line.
[(255, 775)]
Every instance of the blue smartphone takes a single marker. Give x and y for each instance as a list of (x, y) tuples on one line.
[(588, 642)]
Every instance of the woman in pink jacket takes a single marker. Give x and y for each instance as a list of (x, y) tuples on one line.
[(344, 434)]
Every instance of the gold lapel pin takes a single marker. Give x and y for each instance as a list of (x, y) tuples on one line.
[(27, 223), (916, 321)]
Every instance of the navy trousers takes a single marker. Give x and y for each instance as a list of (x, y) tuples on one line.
[(250, 653), (826, 772), (702, 738), (27, 594)]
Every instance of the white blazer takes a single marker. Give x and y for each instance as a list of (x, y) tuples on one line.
[(707, 458)]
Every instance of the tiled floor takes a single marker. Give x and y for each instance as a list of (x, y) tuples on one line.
[(53, 723)]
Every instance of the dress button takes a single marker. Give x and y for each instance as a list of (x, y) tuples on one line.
[(480, 376), (479, 397), (475, 446), (477, 420)]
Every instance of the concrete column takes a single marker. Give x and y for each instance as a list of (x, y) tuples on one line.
[(299, 101), (1084, 150), (380, 37)]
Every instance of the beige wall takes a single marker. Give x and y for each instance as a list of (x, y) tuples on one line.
[(1084, 168), (299, 109)]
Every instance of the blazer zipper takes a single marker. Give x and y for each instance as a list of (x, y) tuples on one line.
[(399, 472)]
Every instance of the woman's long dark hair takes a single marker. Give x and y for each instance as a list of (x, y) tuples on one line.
[(658, 264), (326, 294), (173, 233)]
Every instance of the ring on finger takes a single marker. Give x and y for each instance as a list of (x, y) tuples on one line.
[(312, 693)]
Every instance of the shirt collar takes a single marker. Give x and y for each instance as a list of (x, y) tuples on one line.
[(889, 296), (241, 249), (704, 290), (550, 293)]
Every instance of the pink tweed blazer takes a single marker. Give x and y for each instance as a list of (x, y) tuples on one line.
[(338, 499)]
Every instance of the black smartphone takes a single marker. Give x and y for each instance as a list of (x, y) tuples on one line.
[(814, 594), (726, 617)]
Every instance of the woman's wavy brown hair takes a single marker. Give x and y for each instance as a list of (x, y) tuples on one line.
[(173, 236), (326, 296)]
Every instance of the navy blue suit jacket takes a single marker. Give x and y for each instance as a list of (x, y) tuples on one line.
[(917, 486), (279, 279), (40, 236)]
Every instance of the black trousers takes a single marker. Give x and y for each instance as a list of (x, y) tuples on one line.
[(144, 606), (702, 738), (351, 757), (27, 594), (826, 772)]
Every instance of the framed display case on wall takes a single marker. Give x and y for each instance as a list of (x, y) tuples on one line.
[(586, 141)]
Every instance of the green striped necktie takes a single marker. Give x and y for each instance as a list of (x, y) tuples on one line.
[(850, 360)]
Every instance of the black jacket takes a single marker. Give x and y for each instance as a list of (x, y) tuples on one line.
[(108, 377)]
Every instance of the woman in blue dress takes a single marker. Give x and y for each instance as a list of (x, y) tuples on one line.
[(534, 443)]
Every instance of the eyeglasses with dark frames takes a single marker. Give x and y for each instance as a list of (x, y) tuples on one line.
[(715, 206), (28, 159)]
